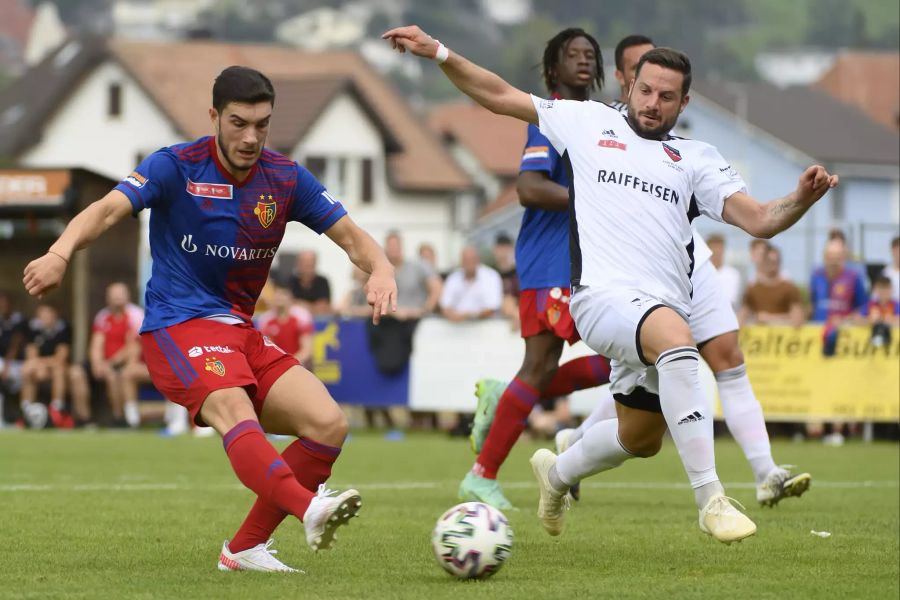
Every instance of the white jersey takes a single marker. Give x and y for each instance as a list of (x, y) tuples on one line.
[(632, 199), (702, 253)]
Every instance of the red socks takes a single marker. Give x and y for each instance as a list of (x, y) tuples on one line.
[(259, 467), (311, 464), (578, 374), (519, 398), (509, 422)]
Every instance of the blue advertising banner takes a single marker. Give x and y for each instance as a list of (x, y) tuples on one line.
[(342, 361)]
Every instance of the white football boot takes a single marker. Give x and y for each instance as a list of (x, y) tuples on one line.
[(326, 513), (552, 504), (724, 522), (779, 484), (257, 558)]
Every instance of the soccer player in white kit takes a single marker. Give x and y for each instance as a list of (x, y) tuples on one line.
[(633, 193), (714, 327)]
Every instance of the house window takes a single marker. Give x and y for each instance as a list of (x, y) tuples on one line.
[(337, 176), (114, 100), (367, 191), (332, 171)]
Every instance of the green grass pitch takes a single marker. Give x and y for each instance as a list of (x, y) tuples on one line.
[(110, 515)]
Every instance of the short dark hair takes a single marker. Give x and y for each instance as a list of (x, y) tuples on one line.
[(880, 280), (715, 238), (895, 242), (241, 84), (503, 239), (635, 39), (554, 48), (668, 58), (837, 234)]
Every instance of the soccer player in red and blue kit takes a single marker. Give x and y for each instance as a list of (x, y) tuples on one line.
[(573, 67), (219, 207)]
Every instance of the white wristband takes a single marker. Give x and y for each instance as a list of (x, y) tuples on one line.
[(442, 54)]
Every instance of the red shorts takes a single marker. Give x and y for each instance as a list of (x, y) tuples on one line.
[(547, 309), (190, 360)]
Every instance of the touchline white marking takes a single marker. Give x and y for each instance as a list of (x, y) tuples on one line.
[(406, 485)]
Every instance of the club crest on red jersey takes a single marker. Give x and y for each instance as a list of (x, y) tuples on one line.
[(265, 211), (673, 153), (214, 365)]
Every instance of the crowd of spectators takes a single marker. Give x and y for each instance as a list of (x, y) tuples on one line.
[(35, 353)]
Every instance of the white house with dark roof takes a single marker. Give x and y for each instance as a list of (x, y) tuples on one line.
[(104, 105), (770, 135)]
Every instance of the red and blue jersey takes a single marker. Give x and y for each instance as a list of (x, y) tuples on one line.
[(542, 248), (835, 297), (213, 238)]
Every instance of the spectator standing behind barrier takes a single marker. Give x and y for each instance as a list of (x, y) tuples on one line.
[(418, 290), (418, 284), (288, 325), (46, 359), (505, 262), (837, 295), (757, 253), (354, 303), (473, 291), (729, 277), (114, 327), (13, 328), (772, 299), (309, 287), (892, 271), (882, 312), (853, 265)]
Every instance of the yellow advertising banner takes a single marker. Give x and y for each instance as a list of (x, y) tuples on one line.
[(795, 381)]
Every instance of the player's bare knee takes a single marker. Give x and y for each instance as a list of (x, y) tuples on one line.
[(723, 353), (330, 428), (643, 446)]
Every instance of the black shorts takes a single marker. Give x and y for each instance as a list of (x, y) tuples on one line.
[(640, 399)]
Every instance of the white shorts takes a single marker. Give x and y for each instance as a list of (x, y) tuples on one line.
[(711, 312), (609, 322)]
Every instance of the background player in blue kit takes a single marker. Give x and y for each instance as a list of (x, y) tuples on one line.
[(219, 209), (572, 68)]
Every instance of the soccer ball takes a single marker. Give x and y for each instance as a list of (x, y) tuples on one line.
[(472, 540)]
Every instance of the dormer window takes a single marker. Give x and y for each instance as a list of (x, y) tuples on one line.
[(114, 100)]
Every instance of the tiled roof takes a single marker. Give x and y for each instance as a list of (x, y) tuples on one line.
[(809, 120), (868, 80), (178, 77), (496, 141)]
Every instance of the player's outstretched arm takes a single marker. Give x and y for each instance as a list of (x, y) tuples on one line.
[(45, 273), (486, 88), (365, 253), (766, 220)]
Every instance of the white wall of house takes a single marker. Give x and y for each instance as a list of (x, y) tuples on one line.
[(83, 134), (344, 133)]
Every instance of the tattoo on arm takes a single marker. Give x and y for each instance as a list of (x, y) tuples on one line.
[(784, 206)]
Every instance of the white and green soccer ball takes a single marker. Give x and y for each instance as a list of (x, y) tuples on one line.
[(472, 540)]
